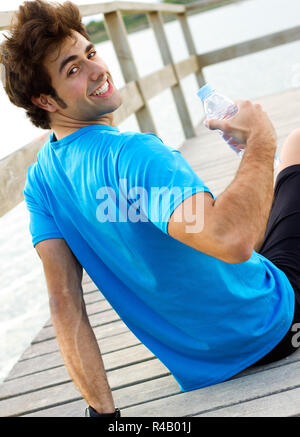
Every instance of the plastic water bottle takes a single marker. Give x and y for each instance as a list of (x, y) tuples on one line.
[(219, 107)]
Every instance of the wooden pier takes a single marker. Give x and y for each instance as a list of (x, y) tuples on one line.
[(39, 385)]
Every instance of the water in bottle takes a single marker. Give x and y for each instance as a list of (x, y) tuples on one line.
[(219, 107)]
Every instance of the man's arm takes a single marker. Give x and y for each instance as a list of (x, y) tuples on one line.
[(75, 336), (235, 223)]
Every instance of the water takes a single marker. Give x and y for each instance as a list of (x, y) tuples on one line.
[(23, 295)]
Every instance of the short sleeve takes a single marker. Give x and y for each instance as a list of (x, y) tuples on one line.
[(157, 178), (42, 225)]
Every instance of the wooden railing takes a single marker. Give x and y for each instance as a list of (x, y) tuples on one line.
[(139, 90)]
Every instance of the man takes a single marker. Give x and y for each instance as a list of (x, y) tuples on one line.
[(182, 269)]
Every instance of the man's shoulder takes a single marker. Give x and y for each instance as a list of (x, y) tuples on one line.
[(140, 136), (142, 143), (118, 139)]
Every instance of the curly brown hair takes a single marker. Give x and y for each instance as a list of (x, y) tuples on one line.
[(36, 28)]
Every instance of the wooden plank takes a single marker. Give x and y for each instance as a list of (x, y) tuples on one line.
[(132, 102), (182, 18), (101, 332), (152, 85), (249, 47), (65, 393), (145, 7), (138, 393), (117, 33), (118, 378), (119, 341), (187, 66), (32, 363), (93, 310), (93, 297), (220, 153), (129, 7), (13, 169), (227, 160), (112, 360), (98, 307), (85, 278), (283, 404), (249, 387), (280, 104), (156, 82), (164, 386), (5, 19), (96, 320), (103, 318), (104, 8), (91, 287), (35, 364), (157, 25)]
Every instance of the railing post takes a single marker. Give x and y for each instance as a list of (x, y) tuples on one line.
[(190, 45), (157, 24), (117, 33)]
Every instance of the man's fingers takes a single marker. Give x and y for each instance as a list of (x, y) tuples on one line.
[(225, 126), (216, 124)]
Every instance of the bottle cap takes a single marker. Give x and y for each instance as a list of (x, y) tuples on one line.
[(205, 92)]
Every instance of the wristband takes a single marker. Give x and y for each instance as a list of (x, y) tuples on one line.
[(90, 412)]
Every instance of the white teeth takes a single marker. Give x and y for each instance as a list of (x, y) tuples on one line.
[(101, 90)]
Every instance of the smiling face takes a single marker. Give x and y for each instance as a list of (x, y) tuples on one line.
[(81, 80)]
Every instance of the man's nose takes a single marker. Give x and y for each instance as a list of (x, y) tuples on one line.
[(96, 71)]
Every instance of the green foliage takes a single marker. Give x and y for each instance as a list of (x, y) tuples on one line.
[(133, 22), (95, 26), (133, 19)]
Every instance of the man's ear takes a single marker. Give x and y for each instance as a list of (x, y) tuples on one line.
[(44, 102)]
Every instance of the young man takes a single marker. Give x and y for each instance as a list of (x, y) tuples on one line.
[(182, 269)]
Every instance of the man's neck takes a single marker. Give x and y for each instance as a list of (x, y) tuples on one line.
[(64, 126)]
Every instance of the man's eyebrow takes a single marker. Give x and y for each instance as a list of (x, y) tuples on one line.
[(73, 58)]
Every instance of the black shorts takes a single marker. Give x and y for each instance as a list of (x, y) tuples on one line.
[(282, 246)]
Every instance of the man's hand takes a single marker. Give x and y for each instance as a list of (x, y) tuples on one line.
[(235, 222), (250, 122)]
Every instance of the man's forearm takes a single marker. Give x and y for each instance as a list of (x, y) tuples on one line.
[(244, 207), (80, 350)]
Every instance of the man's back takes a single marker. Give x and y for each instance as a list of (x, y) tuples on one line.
[(108, 195)]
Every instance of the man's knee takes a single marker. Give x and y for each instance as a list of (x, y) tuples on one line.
[(290, 152)]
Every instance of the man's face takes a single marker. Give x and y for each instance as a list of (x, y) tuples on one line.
[(82, 80)]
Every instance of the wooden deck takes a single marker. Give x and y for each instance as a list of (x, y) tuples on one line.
[(39, 385)]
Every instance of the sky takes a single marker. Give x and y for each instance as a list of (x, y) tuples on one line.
[(9, 5)]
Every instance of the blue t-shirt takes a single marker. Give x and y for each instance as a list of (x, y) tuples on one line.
[(110, 196)]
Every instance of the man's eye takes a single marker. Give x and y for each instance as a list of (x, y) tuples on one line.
[(72, 71)]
